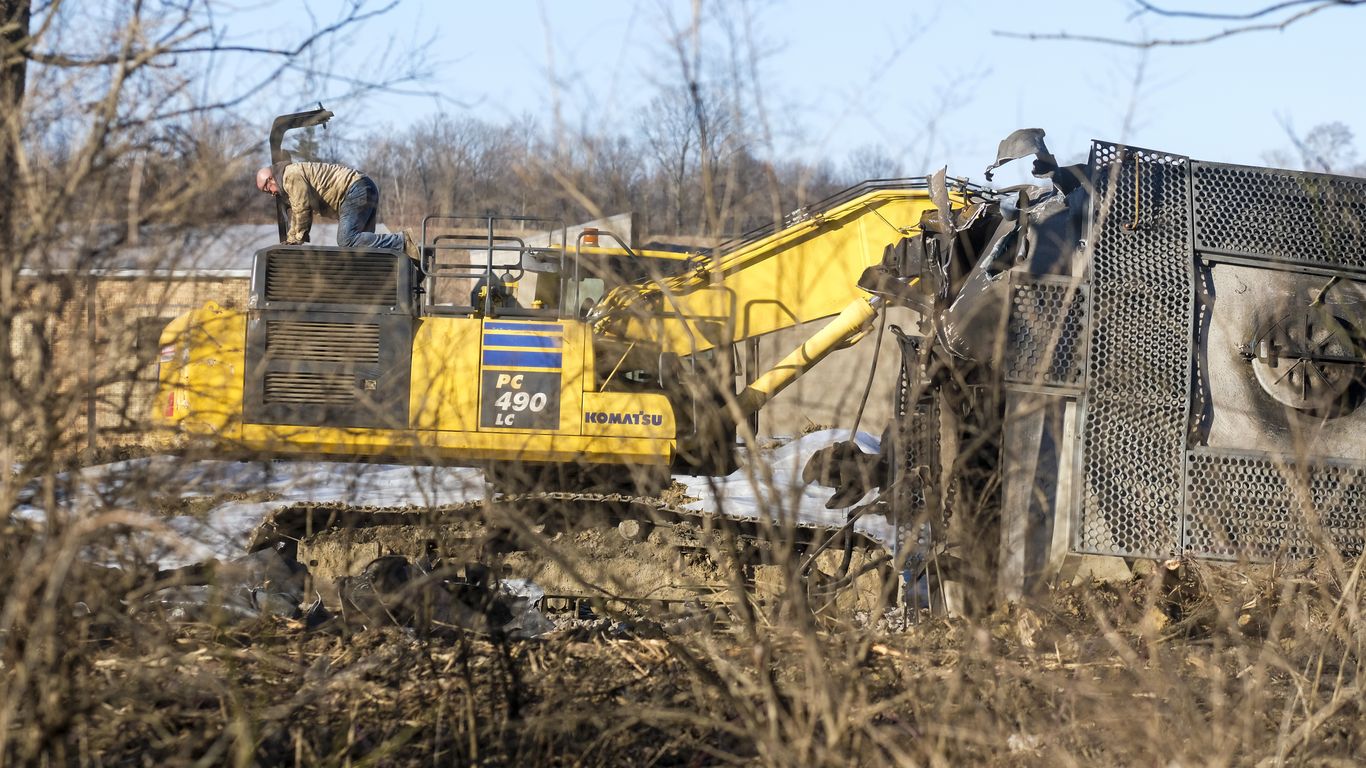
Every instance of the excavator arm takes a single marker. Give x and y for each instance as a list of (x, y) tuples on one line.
[(835, 259), (773, 279)]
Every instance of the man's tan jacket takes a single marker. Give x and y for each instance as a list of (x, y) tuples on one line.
[(314, 188)]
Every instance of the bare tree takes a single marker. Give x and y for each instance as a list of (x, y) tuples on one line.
[(111, 156), (871, 161), (669, 130), (1328, 148), (112, 137)]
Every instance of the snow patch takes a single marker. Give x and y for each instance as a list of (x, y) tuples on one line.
[(770, 486), (774, 488)]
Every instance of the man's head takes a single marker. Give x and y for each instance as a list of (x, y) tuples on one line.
[(265, 181)]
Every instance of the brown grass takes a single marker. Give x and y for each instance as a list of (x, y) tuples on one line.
[(1195, 664)]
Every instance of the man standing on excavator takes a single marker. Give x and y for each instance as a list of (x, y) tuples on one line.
[(334, 191)]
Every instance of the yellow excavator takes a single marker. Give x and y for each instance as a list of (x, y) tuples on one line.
[(561, 361), (509, 343), (1120, 361)]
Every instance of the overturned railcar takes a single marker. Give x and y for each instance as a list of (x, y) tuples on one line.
[(1173, 353)]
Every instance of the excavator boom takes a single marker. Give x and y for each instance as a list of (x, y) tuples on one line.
[(775, 278)]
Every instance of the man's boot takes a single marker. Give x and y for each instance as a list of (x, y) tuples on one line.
[(411, 246)]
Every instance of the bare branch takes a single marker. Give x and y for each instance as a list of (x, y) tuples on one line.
[(85, 60), (1319, 5), (1147, 7)]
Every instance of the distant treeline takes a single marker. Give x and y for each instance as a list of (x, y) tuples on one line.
[(658, 170), (463, 165)]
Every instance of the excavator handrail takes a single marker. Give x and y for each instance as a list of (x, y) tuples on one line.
[(488, 241)]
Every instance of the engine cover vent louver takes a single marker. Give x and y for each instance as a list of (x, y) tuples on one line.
[(331, 278), (302, 388), (322, 342)]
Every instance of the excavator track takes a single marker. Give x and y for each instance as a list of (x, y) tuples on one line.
[(597, 548)]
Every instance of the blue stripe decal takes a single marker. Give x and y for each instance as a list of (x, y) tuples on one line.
[(522, 359), (509, 340), (496, 326)]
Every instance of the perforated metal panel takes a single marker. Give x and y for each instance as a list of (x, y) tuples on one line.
[(1137, 389), (917, 499), (1259, 506), (1311, 219), (1151, 486), (1046, 341)]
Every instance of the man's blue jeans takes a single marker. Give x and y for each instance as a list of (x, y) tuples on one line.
[(356, 219)]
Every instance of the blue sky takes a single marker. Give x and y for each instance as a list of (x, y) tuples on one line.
[(932, 83)]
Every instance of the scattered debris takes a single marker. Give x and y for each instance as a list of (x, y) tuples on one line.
[(263, 583), (390, 590)]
